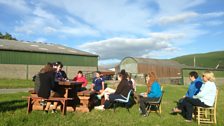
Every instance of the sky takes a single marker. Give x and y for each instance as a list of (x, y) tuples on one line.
[(114, 29)]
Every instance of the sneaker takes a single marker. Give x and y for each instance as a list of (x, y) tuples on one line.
[(99, 96), (43, 103), (45, 111), (189, 121), (53, 111), (101, 107), (144, 115), (140, 111)]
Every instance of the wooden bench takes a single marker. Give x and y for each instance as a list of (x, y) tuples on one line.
[(32, 99), (84, 97)]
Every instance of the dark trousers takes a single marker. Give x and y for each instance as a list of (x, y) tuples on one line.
[(144, 101), (187, 106), (112, 97)]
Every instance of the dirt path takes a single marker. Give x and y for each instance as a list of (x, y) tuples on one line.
[(8, 91)]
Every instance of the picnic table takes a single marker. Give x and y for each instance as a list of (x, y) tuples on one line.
[(84, 97), (70, 85)]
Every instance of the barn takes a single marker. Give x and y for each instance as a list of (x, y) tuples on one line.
[(168, 71), (21, 60)]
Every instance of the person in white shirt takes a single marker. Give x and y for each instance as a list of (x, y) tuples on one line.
[(205, 98)]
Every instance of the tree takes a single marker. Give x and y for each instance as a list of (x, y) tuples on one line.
[(6, 36), (1, 35)]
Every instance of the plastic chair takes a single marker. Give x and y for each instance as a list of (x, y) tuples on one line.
[(124, 101)]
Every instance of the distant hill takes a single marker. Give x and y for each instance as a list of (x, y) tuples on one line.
[(211, 59)]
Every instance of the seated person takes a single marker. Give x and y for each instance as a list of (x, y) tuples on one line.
[(60, 74), (132, 82), (122, 91), (205, 97), (106, 93), (193, 88), (47, 77), (81, 78), (153, 92), (98, 83)]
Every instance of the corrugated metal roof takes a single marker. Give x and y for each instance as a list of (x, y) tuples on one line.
[(40, 47), (162, 62)]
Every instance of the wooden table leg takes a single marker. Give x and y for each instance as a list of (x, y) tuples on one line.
[(29, 107), (84, 100), (64, 107), (66, 93)]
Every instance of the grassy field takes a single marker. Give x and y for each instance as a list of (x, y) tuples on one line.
[(13, 112), (14, 83), (210, 59)]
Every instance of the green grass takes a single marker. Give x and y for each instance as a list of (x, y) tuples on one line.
[(15, 83), (210, 59), (13, 112)]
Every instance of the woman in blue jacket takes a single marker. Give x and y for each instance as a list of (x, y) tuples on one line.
[(193, 89), (153, 92)]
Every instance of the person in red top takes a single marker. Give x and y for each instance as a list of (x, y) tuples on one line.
[(81, 78)]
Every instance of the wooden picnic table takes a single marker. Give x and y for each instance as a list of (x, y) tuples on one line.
[(70, 85), (84, 97)]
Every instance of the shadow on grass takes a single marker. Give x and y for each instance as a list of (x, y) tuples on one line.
[(12, 105)]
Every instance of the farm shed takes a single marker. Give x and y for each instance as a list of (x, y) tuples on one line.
[(166, 70), (21, 60)]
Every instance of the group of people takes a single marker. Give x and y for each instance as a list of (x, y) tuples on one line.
[(46, 83), (201, 92)]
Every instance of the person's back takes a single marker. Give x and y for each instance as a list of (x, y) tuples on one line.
[(46, 84), (37, 82), (123, 88)]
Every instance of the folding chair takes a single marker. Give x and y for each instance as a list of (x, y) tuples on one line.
[(124, 101), (206, 114), (156, 104)]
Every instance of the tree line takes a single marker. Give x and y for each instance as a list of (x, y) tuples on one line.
[(6, 36)]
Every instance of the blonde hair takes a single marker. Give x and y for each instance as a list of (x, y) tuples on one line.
[(209, 75)]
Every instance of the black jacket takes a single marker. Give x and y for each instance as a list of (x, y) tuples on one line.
[(46, 84), (123, 88)]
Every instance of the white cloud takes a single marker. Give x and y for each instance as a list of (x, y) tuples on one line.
[(42, 21), (117, 48), (17, 5), (183, 17), (154, 28), (173, 7), (213, 14), (108, 16)]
